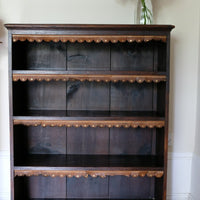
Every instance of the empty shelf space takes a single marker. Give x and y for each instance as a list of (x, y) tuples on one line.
[(87, 114), (106, 76), (91, 161), (89, 165)]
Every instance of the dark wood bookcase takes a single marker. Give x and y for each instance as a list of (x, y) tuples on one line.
[(88, 111)]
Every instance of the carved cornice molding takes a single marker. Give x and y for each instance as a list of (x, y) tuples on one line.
[(92, 123), (97, 78), (88, 38), (83, 173)]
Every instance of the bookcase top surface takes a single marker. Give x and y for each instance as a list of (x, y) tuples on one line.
[(135, 27)]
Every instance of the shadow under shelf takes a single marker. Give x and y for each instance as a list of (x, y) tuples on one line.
[(89, 165)]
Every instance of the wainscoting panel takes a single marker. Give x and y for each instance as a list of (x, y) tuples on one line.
[(4, 175), (195, 182)]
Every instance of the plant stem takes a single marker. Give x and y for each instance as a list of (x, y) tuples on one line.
[(146, 12)]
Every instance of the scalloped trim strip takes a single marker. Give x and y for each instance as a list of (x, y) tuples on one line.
[(94, 174), (88, 38), (97, 78), (93, 124)]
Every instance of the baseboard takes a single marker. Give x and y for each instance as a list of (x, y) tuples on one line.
[(180, 156), (191, 197), (178, 184)]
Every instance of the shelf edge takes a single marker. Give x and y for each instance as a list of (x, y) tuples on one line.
[(92, 123), (88, 38), (89, 77), (93, 173)]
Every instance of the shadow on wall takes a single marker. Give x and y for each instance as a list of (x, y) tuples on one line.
[(3, 45), (3, 32), (4, 127), (172, 92)]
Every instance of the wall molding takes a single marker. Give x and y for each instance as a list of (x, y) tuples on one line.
[(173, 156), (177, 196), (5, 175), (4, 154)]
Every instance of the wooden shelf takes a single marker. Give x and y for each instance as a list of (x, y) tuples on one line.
[(89, 165), (85, 119), (105, 76), (85, 173)]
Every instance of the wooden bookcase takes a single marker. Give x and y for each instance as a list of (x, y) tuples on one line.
[(89, 111)]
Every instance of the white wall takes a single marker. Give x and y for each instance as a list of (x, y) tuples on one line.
[(184, 63), (197, 137), (184, 69), (195, 176)]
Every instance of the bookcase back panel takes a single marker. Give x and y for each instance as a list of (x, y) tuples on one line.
[(84, 56), (132, 56), (139, 142), (89, 141), (40, 187), (39, 140), (111, 141), (39, 96), (130, 188), (87, 187), (116, 187), (94, 96), (89, 56), (39, 56), (132, 97)]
